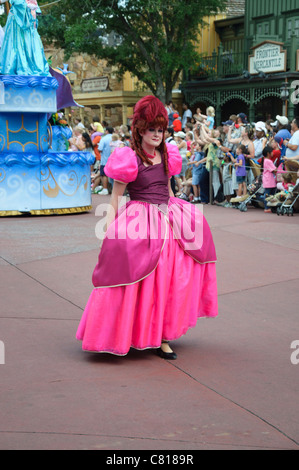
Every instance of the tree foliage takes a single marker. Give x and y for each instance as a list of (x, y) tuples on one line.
[(155, 40)]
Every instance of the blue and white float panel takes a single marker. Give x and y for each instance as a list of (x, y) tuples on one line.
[(33, 178)]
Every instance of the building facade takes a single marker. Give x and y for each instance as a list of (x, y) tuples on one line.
[(255, 68), (96, 88)]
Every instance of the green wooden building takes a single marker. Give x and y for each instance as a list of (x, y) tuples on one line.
[(256, 67)]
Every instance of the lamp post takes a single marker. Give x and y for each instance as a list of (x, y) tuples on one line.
[(284, 95)]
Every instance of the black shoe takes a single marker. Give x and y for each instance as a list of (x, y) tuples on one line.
[(170, 355)]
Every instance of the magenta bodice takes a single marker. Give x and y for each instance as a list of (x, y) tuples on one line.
[(135, 239), (151, 184)]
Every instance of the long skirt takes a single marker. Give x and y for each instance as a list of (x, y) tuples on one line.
[(162, 306)]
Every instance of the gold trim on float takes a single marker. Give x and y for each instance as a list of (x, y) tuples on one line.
[(67, 210), (35, 131)]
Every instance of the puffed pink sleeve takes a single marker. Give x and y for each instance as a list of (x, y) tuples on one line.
[(122, 165), (174, 160)]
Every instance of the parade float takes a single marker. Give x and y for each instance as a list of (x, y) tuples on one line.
[(38, 175)]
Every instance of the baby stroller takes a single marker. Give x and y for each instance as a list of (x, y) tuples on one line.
[(255, 195), (287, 207)]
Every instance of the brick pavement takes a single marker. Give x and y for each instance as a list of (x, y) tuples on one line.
[(233, 385)]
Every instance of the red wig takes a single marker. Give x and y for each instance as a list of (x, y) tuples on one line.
[(149, 112)]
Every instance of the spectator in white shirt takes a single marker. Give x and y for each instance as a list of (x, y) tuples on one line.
[(169, 139), (292, 145), (187, 114), (260, 140)]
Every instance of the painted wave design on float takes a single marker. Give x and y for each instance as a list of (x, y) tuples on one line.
[(18, 81), (59, 159)]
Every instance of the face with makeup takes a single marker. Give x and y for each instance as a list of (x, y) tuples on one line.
[(152, 137)]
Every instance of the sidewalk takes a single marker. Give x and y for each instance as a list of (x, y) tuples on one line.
[(233, 385)]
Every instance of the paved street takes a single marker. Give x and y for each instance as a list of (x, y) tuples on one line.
[(233, 385)]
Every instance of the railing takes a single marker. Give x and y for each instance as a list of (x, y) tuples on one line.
[(226, 64), (234, 63), (222, 65)]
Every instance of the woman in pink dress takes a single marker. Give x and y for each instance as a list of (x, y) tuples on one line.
[(156, 273)]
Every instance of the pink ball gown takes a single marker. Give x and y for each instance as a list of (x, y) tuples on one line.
[(156, 271)]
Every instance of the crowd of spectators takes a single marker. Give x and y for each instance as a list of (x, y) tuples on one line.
[(226, 162), (220, 164), (100, 139)]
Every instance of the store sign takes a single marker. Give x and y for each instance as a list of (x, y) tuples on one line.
[(268, 57), (95, 84)]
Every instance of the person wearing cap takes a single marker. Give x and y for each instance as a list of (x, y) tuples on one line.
[(242, 119), (282, 124), (240, 122), (260, 140), (181, 135)]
